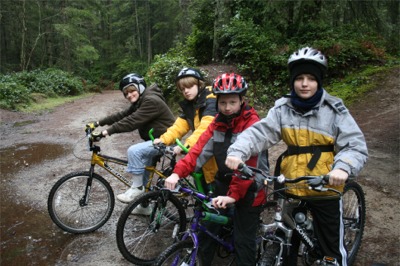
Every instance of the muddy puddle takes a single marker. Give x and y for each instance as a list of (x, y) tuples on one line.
[(28, 236)]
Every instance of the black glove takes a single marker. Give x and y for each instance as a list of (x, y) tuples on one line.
[(91, 126), (96, 136)]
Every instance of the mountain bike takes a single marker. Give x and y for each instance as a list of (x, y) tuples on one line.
[(83, 201), (291, 214), (272, 248), (141, 237), (185, 250)]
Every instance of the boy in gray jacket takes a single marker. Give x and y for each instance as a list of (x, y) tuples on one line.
[(322, 138)]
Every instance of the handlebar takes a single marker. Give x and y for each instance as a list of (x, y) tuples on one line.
[(184, 149), (183, 187), (315, 182), (95, 136), (164, 148)]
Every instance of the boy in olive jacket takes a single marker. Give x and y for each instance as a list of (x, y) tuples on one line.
[(148, 110)]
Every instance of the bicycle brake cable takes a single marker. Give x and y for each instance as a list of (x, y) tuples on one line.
[(74, 149)]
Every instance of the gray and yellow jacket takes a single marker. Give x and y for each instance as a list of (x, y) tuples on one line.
[(196, 116), (150, 111), (327, 132)]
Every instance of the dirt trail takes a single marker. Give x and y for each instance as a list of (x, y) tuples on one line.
[(37, 149)]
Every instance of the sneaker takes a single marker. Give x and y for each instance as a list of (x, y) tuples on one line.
[(130, 194), (142, 210)]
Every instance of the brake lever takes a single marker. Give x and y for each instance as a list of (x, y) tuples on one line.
[(245, 170), (211, 207), (318, 183)]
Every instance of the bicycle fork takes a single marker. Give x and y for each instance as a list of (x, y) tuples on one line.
[(85, 198)]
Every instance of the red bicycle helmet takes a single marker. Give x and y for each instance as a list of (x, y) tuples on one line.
[(230, 83)]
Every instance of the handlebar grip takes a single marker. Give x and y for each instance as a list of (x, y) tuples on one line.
[(317, 181), (184, 149), (96, 136), (90, 127), (326, 178), (245, 170), (151, 134)]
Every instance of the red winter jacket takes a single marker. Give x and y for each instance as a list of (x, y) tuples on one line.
[(212, 143)]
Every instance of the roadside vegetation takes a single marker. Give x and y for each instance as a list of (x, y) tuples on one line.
[(59, 51)]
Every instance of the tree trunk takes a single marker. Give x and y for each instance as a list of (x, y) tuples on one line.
[(139, 40), (148, 27), (290, 23), (23, 36), (39, 35), (217, 17)]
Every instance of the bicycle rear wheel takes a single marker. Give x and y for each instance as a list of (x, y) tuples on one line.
[(71, 211), (179, 253), (141, 238), (353, 218)]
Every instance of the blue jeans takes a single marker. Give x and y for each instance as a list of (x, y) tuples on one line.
[(139, 156)]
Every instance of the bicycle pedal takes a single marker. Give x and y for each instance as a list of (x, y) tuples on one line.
[(329, 261)]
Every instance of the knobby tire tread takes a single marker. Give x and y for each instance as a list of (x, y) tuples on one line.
[(359, 193), (180, 246), (60, 192), (137, 239)]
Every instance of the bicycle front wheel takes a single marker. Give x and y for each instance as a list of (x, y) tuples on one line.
[(180, 253), (79, 204), (149, 225), (353, 218), (271, 254)]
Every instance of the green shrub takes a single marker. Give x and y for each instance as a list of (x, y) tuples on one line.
[(164, 69), (127, 66), (17, 87), (55, 82), (259, 58), (12, 94)]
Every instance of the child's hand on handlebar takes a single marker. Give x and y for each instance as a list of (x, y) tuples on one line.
[(221, 202), (177, 150), (233, 162), (337, 177), (171, 181), (157, 141), (104, 133)]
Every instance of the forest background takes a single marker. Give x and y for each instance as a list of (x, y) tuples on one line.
[(53, 48)]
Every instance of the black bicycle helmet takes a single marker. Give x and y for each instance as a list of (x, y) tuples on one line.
[(189, 72), (133, 79), (230, 83)]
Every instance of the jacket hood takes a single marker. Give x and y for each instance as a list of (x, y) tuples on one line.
[(151, 91)]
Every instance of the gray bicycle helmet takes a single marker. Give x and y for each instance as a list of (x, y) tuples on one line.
[(133, 79), (189, 72)]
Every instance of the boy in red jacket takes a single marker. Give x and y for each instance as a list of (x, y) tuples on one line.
[(233, 117)]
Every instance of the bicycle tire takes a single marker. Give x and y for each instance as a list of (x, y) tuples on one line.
[(142, 238), (353, 218), (270, 256), (65, 198), (179, 254)]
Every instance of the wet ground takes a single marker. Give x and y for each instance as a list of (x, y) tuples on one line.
[(35, 152), (29, 233), (37, 149)]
